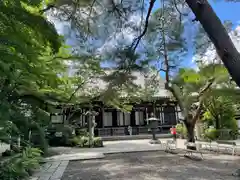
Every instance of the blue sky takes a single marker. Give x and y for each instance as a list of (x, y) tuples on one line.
[(224, 10), (227, 10)]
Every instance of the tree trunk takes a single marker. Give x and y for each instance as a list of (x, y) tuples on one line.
[(190, 131), (218, 35), (90, 130), (217, 123)]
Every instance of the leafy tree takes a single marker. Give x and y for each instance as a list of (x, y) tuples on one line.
[(194, 88), (220, 113), (32, 66), (122, 9)]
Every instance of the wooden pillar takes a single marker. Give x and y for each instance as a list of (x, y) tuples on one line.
[(176, 114), (146, 111), (102, 123), (132, 118), (154, 108), (114, 118), (162, 113), (99, 118), (144, 116)]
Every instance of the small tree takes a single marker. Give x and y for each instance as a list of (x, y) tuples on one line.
[(191, 88)]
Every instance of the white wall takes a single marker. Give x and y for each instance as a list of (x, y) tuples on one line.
[(107, 119)]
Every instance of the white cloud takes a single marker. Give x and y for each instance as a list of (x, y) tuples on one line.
[(114, 40), (60, 26), (210, 56), (124, 37)]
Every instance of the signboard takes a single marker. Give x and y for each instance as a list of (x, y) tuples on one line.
[(58, 134)]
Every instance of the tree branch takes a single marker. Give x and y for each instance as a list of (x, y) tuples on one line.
[(201, 93), (178, 10), (50, 6), (176, 94), (206, 87), (138, 39), (90, 12), (75, 91)]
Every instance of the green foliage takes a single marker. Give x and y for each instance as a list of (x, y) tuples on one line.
[(81, 132), (38, 139), (190, 82), (32, 62), (79, 141), (220, 113), (83, 141), (181, 130), (211, 134), (21, 165), (97, 142)]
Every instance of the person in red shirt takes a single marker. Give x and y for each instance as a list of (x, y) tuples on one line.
[(174, 132)]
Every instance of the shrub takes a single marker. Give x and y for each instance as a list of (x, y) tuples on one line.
[(234, 130), (228, 134), (83, 141), (81, 132), (77, 141), (21, 165), (181, 130), (211, 134), (97, 141), (38, 139)]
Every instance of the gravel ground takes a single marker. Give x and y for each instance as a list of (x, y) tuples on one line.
[(153, 166)]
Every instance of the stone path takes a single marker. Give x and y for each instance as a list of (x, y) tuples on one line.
[(109, 147), (152, 166), (55, 166), (51, 171)]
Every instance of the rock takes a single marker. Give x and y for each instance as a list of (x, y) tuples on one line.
[(237, 173)]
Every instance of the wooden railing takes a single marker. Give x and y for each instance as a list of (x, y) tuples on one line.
[(123, 131)]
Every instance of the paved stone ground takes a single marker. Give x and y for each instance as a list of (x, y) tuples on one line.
[(55, 166), (115, 147), (51, 171), (109, 147), (153, 166)]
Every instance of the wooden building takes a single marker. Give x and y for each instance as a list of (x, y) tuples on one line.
[(112, 122)]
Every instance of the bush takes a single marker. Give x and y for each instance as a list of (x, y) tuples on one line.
[(38, 139), (83, 141), (21, 165), (181, 130), (97, 141), (211, 134), (77, 141), (81, 132)]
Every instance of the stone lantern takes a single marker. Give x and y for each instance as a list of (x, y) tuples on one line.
[(153, 124), (91, 125)]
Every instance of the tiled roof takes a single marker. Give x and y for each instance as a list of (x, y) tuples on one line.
[(149, 80)]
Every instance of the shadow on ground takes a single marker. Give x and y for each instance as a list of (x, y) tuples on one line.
[(153, 166)]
